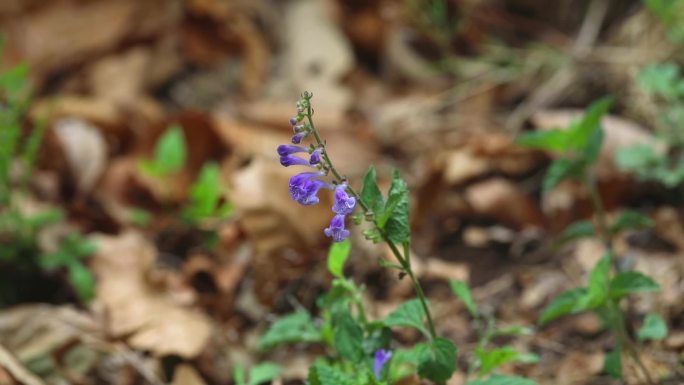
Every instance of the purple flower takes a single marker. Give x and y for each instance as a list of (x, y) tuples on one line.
[(293, 121), (286, 149), (304, 188), (315, 157), (291, 160), (344, 204), (336, 229), (382, 356), (297, 138)]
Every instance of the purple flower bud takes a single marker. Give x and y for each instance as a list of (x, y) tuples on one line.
[(286, 149), (382, 356), (291, 160), (315, 157), (344, 204), (336, 229), (293, 121), (297, 138), (304, 188)]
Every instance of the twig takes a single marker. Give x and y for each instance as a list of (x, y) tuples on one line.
[(16, 369)]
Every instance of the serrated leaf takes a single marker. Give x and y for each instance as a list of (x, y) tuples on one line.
[(462, 290), (562, 305), (552, 140), (560, 170), (370, 192), (348, 337), (627, 282), (490, 359), (398, 228), (263, 372), (612, 364), (631, 220), (654, 328), (597, 290), (438, 361), (408, 314), (292, 328), (577, 230), (337, 256), (503, 380), (323, 374)]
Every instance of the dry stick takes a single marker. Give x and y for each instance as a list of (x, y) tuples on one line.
[(16, 369), (556, 86)]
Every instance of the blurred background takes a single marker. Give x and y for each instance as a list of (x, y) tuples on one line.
[(146, 229)]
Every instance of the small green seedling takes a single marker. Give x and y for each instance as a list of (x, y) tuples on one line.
[(169, 154), (206, 196), (488, 359)]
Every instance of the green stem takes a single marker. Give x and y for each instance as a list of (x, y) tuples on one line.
[(404, 260)]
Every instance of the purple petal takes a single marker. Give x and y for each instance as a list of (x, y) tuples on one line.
[(344, 204), (291, 160), (297, 138), (315, 157), (336, 229), (287, 149), (382, 356)]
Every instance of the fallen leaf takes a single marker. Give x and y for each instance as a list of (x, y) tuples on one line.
[(85, 149), (145, 315)]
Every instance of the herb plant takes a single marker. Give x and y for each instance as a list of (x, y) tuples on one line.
[(21, 258), (360, 349), (609, 284)]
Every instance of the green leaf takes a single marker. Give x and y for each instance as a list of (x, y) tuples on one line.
[(169, 153), (462, 290), (562, 305), (370, 192), (581, 134), (631, 220), (599, 283), (560, 170), (323, 374), (337, 256), (612, 364), (405, 362), (263, 372), (660, 79), (552, 140), (494, 358), (295, 327), (398, 227), (628, 282), (513, 331), (637, 158), (503, 380), (348, 337), (593, 146), (408, 314), (654, 328), (82, 280), (438, 361), (14, 82), (239, 375), (577, 230), (206, 194)]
